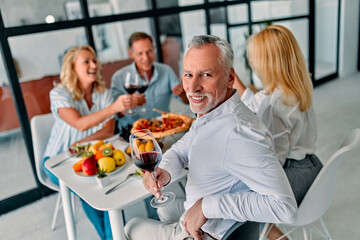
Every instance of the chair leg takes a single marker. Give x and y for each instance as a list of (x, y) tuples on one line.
[(265, 231), (182, 187), (287, 234), (57, 207), (73, 205), (305, 234), (325, 229)]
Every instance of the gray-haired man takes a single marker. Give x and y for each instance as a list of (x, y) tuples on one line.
[(234, 174)]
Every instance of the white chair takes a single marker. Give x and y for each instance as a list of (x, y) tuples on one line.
[(40, 130), (319, 196)]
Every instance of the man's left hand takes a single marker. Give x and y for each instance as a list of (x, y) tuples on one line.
[(194, 219)]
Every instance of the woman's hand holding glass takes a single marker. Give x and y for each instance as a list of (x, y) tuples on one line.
[(127, 101)]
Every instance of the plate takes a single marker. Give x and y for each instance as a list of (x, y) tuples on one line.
[(117, 169)]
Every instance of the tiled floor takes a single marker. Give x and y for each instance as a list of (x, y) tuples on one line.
[(337, 104)]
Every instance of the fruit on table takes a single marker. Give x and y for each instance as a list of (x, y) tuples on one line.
[(107, 152), (128, 150), (78, 166), (106, 145), (142, 147), (107, 163), (98, 155), (95, 147), (149, 146), (89, 166), (119, 157)]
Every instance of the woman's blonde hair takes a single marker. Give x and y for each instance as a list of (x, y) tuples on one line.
[(68, 77), (276, 57)]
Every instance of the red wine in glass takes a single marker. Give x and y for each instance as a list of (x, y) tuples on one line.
[(131, 85), (147, 161), (130, 89), (142, 88), (143, 85), (146, 155)]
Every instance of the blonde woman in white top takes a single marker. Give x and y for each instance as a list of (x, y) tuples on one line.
[(284, 105)]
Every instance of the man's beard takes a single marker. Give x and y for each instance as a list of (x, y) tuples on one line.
[(211, 104)]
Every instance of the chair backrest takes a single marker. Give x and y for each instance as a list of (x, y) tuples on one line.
[(319, 197), (40, 130), (244, 231)]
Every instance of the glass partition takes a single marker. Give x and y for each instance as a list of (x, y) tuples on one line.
[(265, 10), (38, 11), (126, 6), (192, 23), (238, 37), (237, 14), (169, 25), (3, 76), (16, 175), (41, 54), (326, 25), (190, 2), (217, 22), (39, 58), (166, 4), (109, 44)]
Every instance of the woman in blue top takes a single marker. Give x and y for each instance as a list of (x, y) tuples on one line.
[(84, 110)]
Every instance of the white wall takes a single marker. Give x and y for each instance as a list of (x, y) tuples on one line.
[(349, 37)]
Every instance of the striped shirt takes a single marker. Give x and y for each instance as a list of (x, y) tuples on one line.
[(62, 134)]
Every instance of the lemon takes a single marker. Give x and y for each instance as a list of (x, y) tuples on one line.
[(119, 157), (107, 163)]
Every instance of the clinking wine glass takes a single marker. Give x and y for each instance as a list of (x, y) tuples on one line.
[(143, 85), (146, 155), (131, 84)]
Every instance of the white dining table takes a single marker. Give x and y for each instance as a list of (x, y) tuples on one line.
[(127, 194)]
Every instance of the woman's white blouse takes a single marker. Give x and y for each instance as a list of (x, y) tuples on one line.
[(62, 134), (294, 132)]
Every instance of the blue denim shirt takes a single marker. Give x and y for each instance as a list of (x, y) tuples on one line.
[(158, 94)]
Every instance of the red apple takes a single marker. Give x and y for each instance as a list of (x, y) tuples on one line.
[(89, 166)]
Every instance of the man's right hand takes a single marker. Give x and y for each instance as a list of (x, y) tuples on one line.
[(162, 178), (137, 100)]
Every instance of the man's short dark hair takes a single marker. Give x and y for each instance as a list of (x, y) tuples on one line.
[(138, 36)]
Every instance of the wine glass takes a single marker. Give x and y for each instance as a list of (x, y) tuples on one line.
[(143, 85), (146, 155), (131, 85)]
